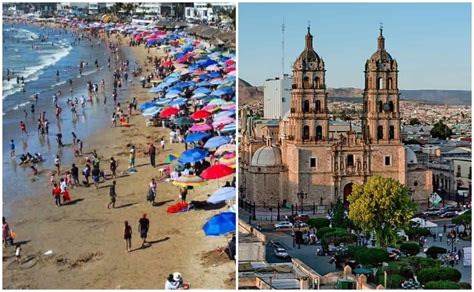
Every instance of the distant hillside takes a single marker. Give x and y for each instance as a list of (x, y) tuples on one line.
[(249, 93)]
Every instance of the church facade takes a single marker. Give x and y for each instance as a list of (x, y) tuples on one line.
[(302, 155)]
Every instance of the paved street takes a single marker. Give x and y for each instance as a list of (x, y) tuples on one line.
[(307, 253)]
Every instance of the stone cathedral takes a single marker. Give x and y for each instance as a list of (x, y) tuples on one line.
[(301, 155)]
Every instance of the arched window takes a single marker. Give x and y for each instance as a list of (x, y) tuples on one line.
[(306, 106), (380, 106), (317, 82), (306, 82), (380, 132), (391, 132), (319, 133), (318, 106), (390, 84), (305, 132), (293, 86), (380, 83), (391, 106), (350, 160)]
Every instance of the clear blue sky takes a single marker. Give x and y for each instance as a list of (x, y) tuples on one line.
[(431, 42)]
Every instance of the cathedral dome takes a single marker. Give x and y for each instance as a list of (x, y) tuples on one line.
[(411, 156), (308, 59), (267, 156)]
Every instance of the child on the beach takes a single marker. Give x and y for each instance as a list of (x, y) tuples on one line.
[(51, 178)]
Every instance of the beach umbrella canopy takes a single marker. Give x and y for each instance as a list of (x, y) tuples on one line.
[(216, 171), (192, 155), (210, 108), (222, 194), (204, 90), (217, 101), (178, 102), (152, 111), (183, 121), (228, 107), (146, 105), (223, 121), (220, 224), (170, 157), (163, 101), (195, 137), (167, 64), (228, 128), (189, 180), (227, 148), (223, 114), (172, 94), (200, 128), (199, 115), (229, 160), (168, 112), (216, 141)]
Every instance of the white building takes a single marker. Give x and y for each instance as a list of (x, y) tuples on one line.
[(203, 11), (276, 97), (96, 7), (149, 8)]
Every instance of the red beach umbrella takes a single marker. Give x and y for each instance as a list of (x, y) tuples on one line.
[(167, 64), (217, 171), (201, 115), (168, 112)]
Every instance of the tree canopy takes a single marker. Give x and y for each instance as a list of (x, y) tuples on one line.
[(381, 205), (441, 131)]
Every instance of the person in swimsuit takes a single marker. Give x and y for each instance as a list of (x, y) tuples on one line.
[(127, 235)]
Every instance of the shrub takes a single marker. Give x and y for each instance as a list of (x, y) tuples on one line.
[(438, 274), (442, 285), (322, 231), (416, 232), (464, 219), (338, 236), (410, 248), (465, 285), (368, 256), (318, 222), (434, 251), (393, 280), (420, 263)]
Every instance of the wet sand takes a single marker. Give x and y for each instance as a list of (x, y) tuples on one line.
[(87, 238)]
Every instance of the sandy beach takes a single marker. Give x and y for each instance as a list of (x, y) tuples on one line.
[(86, 238)]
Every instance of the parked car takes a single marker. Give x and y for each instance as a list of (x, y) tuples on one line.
[(448, 214), (275, 243), (432, 211), (281, 253), (283, 224), (299, 218), (299, 224)]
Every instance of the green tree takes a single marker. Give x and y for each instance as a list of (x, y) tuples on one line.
[(410, 248), (441, 131), (338, 215), (381, 205), (434, 251), (414, 121), (438, 274), (438, 285), (318, 222), (464, 219)]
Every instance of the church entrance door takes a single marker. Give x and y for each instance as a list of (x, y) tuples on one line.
[(347, 192)]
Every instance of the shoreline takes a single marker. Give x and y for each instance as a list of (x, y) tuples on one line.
[(86, 237)]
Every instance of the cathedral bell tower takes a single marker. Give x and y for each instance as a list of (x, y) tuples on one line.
[(381, 98), (308, 119)]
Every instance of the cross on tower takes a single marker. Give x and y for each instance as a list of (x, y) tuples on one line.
[(381, 26), (309, 25)]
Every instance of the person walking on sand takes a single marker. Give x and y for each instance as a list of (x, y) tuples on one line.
[(162, 143), (143, 226), (75, 175), (64, 191), (113, 167), (57, 163), (56, 192), (132, 157), (113, 195), (127, 235), (6, 233), (96, 176), (183, 192), (152, 154), (152, 191)]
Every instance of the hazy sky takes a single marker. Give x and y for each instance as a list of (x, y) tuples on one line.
[(431, 42)]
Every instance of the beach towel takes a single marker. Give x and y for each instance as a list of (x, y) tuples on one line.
[(178, 207)]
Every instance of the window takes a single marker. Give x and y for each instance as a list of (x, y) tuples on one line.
[(391, 132), (458, 173), (318, 106), (350, 160), (306, 106), (380, 83), (380, 105), (388, 161), (306, 82), (391, 106), (317, 82), (390, 83), (312, 162), (319, 133), (415, 183), (305, 132), (283, 99), (380, 132)]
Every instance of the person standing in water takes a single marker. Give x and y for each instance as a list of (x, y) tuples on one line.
[(12, 149)]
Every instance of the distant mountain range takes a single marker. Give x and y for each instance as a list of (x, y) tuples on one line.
[(250, 94)]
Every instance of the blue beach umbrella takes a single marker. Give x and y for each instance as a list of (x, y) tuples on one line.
[(220, 224), (228, 128), (222, 194), (203, 84), (192, 155), (178, 102), (216, 141), (217, 101), (151, 111), (196, 137), (204, 90), (223, 114), (146, 105)]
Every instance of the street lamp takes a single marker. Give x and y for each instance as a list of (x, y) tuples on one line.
[(452, 240), (301, 196)]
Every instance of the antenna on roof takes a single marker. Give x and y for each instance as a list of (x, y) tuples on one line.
[(283, 27)]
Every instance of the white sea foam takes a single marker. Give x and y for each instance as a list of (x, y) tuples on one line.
[(20, 105)]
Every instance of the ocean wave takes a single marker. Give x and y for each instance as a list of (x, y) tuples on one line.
[(32, 73), (20, 105)]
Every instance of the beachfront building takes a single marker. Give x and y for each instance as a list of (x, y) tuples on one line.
[(310, 164), (208, 12), (96, 8), (148, 9), (276, 97)]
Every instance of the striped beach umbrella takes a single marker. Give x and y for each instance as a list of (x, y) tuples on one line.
[(189, 180)]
